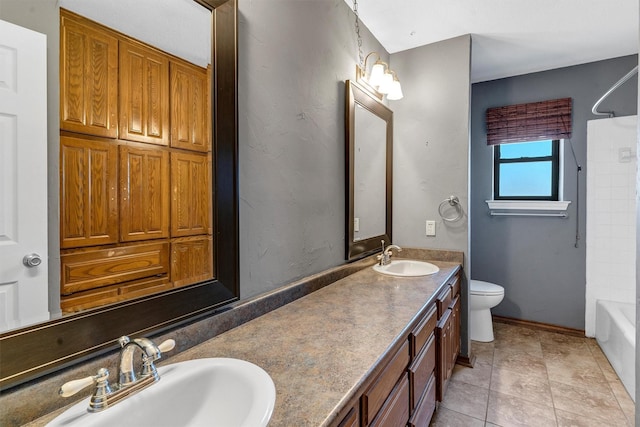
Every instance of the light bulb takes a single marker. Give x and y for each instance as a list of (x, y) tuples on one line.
[(395, 92), (386, 83), (377, 73)]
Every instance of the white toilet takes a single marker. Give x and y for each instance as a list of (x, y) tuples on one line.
[(483, 296)]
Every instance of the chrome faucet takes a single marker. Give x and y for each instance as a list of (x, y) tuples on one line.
[(150, 353), (385, 256), (129, 382)]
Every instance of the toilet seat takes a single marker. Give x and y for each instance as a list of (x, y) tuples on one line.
[(478, 287)]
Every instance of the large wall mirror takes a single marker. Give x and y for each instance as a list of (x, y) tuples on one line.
[(369, 147), (28, 351)]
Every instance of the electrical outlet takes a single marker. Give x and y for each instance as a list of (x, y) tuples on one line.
[(356, 224), (431, 228)]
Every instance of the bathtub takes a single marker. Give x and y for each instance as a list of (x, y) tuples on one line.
[(616, 335)]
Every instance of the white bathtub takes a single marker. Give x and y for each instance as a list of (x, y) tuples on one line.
[(616, 335)]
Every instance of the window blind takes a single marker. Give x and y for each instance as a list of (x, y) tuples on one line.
[(534, 121)]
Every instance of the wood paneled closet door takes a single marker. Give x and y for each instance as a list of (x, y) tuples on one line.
[(88, 192), (144, 94), (191, 195), (88, 77), (190, 118), (144, 193)]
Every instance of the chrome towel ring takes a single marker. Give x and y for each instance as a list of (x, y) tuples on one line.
[(452, 201)]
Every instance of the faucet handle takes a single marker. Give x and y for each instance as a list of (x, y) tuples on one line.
[(166, 345), (72, 387)]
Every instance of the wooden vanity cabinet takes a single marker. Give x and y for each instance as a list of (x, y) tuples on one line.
[(405, 391), (88, 77), (448, 335)]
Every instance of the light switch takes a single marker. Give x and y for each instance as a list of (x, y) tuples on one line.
[(431, 228), (356, 224)]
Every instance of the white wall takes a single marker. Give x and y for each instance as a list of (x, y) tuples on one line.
[(611, 206)]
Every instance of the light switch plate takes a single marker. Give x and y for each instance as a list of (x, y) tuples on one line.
[(431, 228)]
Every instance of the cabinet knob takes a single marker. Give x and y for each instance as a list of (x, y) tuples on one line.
[(32, 260)]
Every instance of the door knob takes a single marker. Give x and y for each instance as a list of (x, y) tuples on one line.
[(32, 260)]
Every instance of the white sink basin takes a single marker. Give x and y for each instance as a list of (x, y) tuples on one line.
[(201, 392), (407, 268)]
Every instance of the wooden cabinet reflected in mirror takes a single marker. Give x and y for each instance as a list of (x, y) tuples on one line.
[(134, 196), (369, 145)]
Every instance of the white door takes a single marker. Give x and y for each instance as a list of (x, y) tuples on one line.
[(23, 177)]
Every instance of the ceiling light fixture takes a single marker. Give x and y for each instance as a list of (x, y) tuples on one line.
[(382, 80)]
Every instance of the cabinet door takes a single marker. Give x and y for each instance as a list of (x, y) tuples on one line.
[(443, 336), (144, 94), (190, 116), (88, 193), (191, 260), (144, 193), (88, 77), (191, 195), (455, 331)]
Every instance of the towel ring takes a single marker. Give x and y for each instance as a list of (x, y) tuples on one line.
[(453, 201)]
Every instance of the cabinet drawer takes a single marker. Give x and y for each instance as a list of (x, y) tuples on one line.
[(426, 407), (114, 293), (421, 370), (352, 419), (375, 396), (454, 283), (102, 267), (443, 301), (395, 411), (423, 331)]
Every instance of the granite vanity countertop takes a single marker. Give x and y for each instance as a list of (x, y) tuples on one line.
[(319, 349)]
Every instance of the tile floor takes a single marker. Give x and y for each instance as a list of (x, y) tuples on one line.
[(529, 377)]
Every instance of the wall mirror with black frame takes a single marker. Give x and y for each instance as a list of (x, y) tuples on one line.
[(34, 350), (369, 147)]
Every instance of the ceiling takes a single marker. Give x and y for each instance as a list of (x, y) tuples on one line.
[(509, 37)]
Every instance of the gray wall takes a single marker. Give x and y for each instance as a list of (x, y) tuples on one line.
[(294, 58), (534, 258), (431, 149)]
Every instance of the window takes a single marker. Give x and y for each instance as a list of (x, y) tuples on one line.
[(527, 171)]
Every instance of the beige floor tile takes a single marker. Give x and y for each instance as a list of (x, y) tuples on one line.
[(578, 374), (587, 403), (623, 398), (447, 418), (479, 375), (483, 352), (531, 386), (526, 343), (518, 361), (568, 419), (603, 362), (559, 339), (466, 399), (505, 410)]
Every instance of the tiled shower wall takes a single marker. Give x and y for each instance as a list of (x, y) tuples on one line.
[(611, 229)]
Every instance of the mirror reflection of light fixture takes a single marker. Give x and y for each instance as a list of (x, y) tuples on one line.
[(382, 80)]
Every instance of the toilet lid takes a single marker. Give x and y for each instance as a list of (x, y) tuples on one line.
[(478, 287)]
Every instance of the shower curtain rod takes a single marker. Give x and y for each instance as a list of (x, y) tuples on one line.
[(626, 77)]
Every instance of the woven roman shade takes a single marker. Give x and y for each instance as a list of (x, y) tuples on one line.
[(535, 121)]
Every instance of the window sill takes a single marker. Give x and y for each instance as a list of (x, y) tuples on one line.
[(528, 208)]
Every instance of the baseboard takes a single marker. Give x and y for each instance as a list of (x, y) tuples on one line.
[(467, 361), (541, 326)]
